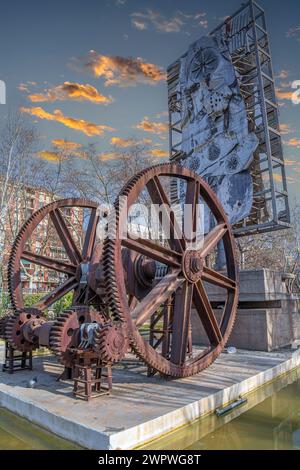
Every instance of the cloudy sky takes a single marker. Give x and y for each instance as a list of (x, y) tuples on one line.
[(93, 71)]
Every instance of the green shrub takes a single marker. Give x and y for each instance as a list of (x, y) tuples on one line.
[(62, 304), (31, 299), (4, 303)]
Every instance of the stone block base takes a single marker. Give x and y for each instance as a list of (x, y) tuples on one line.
[(265, 329), (268, 317)]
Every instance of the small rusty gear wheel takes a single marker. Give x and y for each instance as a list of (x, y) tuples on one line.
[(64, 333), (111, 342), (14, 333)]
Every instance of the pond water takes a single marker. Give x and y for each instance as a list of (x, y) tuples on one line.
[(19, 434), (269, 420)]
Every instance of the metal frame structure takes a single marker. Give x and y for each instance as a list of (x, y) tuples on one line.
[(248, 42)]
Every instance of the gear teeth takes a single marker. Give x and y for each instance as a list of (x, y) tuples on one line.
[(117, 312), (13, 266), (60, 327), (111, 342), (3, 324), (10, 325), (117, 308)]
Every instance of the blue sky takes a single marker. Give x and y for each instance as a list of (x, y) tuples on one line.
[(45, 44)]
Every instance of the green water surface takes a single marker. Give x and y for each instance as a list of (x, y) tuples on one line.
[(270, 420), (19, 434)]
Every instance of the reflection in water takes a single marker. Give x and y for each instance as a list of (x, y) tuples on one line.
[(19, 434), (269, 420)]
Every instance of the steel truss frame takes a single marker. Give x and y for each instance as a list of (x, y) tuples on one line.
[(248, 42)]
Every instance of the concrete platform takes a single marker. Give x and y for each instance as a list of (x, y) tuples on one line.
[(140, 408)]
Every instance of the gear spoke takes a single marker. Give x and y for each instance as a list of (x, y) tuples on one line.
[(57, 293), (206, 313), (192, 201), (49, 263), (65, 236), (214, 277), (159, 198), (212, 239), (158, 295), (153, 251), (90, 235), (181, 323)]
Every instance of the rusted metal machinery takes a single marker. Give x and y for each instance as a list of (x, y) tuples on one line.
[(129, 291)]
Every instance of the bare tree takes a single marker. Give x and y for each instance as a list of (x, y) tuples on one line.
[(100, 177), (17, 169), (274, 250)]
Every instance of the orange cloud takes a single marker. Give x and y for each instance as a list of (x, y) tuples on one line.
[(158, 153), (153, 127), (49, 156), (285, 85), (162, 114), (109, 156), (282, 74), (288, 162), (69, 147), (23, 87), (124, 71), (81, 125), (71, 91), (52, 156), (124, 143), (140, 25), (290, 179), (294, 33), (278, 178), (66, 144), (292, 142), (284, 95), (173, 24), (285, 129)]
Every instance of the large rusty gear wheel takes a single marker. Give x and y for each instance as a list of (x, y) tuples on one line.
[(3, 322), (75, 256), (111, 342), (180, 284), (13, 328), (65, 329)]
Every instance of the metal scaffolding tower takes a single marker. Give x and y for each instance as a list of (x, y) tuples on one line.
[(248, 42)]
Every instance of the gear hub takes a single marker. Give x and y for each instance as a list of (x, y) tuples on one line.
[(192, 265), (111, 342), (17, 330), (64, 333)]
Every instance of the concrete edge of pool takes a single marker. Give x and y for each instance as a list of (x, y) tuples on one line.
[(205, 406), (139, 410)]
